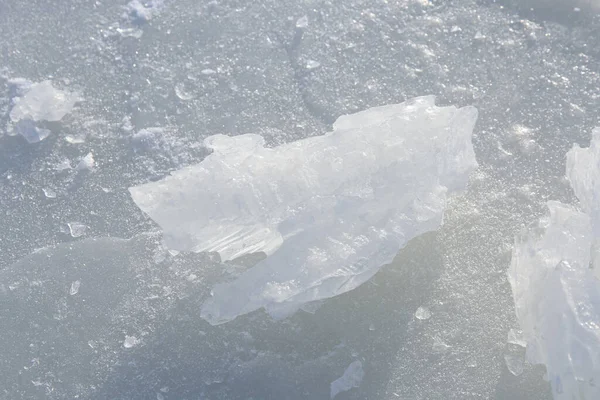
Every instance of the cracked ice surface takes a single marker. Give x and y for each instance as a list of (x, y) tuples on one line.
[(328, 211), (557, 294)]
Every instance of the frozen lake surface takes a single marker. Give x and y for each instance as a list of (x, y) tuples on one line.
[(97, 97)]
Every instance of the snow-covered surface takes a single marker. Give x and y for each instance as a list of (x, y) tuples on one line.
[(328, 211), (554, 276), (155, 89)]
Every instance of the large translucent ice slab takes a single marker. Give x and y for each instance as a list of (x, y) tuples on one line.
[(328, 211), (555, 284)]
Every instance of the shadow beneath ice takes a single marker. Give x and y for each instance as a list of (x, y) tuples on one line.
[(296, 358), (530, 385)]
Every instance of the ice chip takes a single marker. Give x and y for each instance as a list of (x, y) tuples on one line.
[(49, 193), (76, 229), (516, 337), (302, 22), (328, 211), (74, 288), (352, 378), (312, 64), (514, 363), (130, 341), (422, 313), (86, 163)]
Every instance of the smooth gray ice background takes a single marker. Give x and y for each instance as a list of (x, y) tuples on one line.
[(533, 75)]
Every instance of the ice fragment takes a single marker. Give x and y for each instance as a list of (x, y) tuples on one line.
[(312, 64), (42, 102), (327, 211), (76, 229), (423, 313), (74, 288), (130, 341), (514, 363), (351, 378), (556, 293), (49, 193), (86, 163), (302, 22)]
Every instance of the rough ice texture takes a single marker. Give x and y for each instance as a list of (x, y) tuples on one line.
[(327, 211), (34, 102), (554, 277)]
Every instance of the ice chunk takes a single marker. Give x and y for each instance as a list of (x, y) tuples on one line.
[(302, 22), (514, 363), (422, 313), (49, 193), (42, 102), (74, 288), (30, 131), (130, 341), (516, 337), (37, 102), (312, 64), (557, 296), (352, 378), (328, 211), (86, 163), (76, 229)]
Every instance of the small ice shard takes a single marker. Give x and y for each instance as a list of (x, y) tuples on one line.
[(351, 378), (86, 163), (328, 211), (439, 346), (49, 193), (516, 337), (74, 288), (312, 64), (208, 71), (302, 22), (76, 229), (28, 129), (130, 341), (75, 139), (42, 102), (514, 363), (556, 293), (183, 92), (422, 313)]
